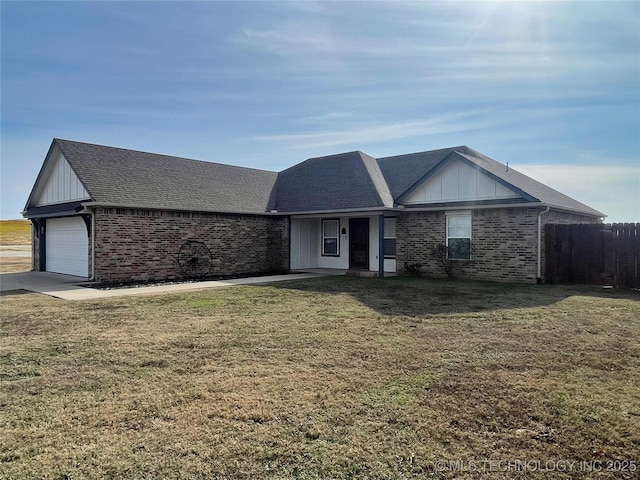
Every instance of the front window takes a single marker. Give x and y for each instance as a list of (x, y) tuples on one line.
[(390, 237), (330, 237), (459, 237)]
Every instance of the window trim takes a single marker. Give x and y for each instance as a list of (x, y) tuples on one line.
[(470, 237), (395, 236), (324, 237)]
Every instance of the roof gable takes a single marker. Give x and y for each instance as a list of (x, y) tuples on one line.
[(57, 182), (405, 173), (455, 179)]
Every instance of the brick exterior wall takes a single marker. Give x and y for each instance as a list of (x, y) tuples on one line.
[(141, 245), (504, 242)]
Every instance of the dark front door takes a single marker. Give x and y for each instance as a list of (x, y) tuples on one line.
[(359, 243)]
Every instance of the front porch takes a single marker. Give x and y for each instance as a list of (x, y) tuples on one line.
[(355, 244)]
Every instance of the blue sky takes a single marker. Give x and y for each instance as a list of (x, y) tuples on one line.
[(553, 88)]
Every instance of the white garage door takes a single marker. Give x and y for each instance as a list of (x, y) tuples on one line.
[(67, 246)]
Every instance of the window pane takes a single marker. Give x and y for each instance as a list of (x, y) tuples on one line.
[(459, 226), (459, 220), (459, 248), (389, 247), (330, 246), (390, 228), (330, 231), (331, 228)]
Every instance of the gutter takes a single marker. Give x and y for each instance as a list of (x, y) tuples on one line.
[(337, 211), (443, 207), (542, 212), (91, 204)]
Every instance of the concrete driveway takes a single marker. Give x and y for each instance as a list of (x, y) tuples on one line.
[(68, 287)]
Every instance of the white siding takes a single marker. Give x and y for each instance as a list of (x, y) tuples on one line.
[(60, 184), (449, 180), (389, 263), (306, 243), (341, 261), (467, 182), (458, 181)]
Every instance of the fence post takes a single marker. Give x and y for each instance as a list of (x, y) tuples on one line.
[(608, 254)]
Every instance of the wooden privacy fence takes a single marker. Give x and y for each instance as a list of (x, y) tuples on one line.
[(601, 254)]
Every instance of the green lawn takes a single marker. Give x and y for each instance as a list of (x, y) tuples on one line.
[(334, 377)]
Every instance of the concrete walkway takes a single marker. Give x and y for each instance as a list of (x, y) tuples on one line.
[(68, 287)]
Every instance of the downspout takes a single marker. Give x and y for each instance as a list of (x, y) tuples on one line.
[(539, 276)]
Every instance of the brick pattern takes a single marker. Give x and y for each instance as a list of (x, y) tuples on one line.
[(141, 245), (504, 242)]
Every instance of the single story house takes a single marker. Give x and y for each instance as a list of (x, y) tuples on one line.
[(117, 215)]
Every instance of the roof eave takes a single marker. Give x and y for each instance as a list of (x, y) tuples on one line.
[(335, 211), (176, 209), (468, 205), (471, 205), (65, 209), (588, 213)]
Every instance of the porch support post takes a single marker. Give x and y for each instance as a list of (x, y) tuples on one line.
[(42, 225), (381, 246)]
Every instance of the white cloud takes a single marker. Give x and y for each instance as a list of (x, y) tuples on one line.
[(329, 116), (489, 43), (361, 135), (612, 189)]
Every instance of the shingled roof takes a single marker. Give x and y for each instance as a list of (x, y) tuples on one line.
[(347, 181), (350, 181), (127, 177), (535, 189), (403, 172)]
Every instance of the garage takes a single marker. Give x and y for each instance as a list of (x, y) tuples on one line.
[(67, 246)]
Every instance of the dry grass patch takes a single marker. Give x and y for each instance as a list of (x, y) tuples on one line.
[(14, 235), (15, 232), (323, 378)]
